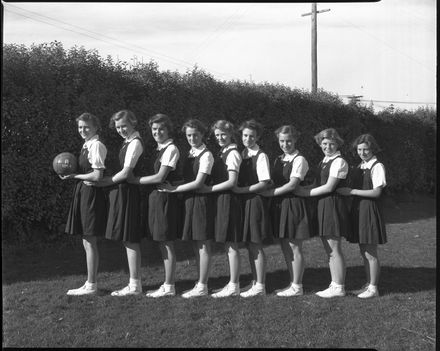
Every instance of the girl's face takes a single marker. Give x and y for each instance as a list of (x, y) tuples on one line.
[(249, 137), (124, 127), (159, 132), (86, 129), (194, 137), (329, 146), (223, 138), (364, 152), (287, 143)]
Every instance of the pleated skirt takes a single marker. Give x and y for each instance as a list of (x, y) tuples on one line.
[(87, 211), (290, 218), (257, 226), (198, 217), (367, 222), (124, 221), (163, 215), (332, 217), (228, 220)]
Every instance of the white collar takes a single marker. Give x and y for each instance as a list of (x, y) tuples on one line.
[(251, 151), (328, 158), (229, 147), (196, 151), (89, 142), (367, 165), (163, 145), (290, 157), (132, 136)]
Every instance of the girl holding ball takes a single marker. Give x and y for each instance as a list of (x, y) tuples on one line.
[(87, 212)]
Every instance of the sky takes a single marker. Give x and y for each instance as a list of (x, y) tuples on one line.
[(384, 51)]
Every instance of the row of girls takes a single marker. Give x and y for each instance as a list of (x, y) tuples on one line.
[(233, 198)]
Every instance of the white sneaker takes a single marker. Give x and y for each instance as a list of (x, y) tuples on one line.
[(162, 291), (283, 289), (291, 291), (86, 289), (369, 293), (197, 291), (128, 291), (361, 290), (254, 291), (227, 291), (332, 291)]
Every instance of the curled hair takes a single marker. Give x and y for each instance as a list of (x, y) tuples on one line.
[(224, 126), (88, 117), (121, 114), (161, 118), (329, 133), (288, 129), (252, 124), (366, 139), (196, 124)]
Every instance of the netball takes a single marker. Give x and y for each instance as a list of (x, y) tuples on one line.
[(64, 163)]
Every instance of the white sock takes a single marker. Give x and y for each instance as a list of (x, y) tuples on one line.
[(372, 287), (90, 285), (338, 285), (259, 286), (296, 286), (233, 285), (134, 282), (202, 286), (168, 286)]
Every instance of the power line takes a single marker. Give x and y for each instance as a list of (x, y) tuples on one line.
[(173, 60), (216, 33), (401, 102), (386, 44), (391, 101)]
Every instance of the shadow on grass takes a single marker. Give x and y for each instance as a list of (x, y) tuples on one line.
[(392, 279), (23, 264)]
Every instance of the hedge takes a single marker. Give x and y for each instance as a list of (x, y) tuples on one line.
[(45, 87)]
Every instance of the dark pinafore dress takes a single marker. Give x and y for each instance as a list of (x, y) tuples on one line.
[(332, 212), (255, 208), (88, 208), (198, 209), (123, 223), (163, 208), (228, 223), (289, 213), (366, 212)]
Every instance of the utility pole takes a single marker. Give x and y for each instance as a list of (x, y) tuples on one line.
[(314, 45)]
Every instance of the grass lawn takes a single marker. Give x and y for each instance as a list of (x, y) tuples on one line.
[(38, 313)]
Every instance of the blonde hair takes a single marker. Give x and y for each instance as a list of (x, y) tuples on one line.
[(331, 134), (121, 114), (288, 129)]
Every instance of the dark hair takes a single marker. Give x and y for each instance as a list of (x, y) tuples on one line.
[(288, 129), (88, 117), (329, 133), (160, 118), (121, 114), (252, 124), (367, 139), (196, 124)]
